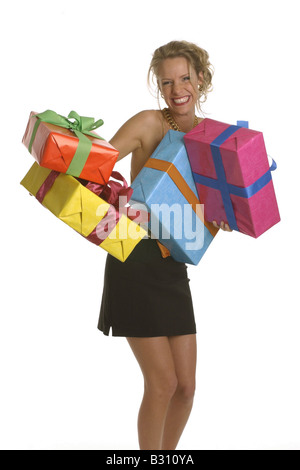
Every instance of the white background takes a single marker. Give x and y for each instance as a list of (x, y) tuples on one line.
[(63, 384)]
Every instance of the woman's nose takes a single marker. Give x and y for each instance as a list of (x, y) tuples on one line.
[(177, 87)]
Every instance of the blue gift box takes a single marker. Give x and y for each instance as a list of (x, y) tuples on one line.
[(165, 186)]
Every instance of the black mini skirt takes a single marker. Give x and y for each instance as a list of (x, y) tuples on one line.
[(146, 296)]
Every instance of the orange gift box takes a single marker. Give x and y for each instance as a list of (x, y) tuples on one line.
[(68, 146)]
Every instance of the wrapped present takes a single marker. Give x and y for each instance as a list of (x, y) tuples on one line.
[(233, 176), (166, 187), (95, 219), (67, 145)]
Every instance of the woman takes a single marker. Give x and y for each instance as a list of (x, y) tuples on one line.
[(147, 299)]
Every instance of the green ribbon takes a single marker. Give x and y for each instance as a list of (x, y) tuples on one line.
[(81, 126)]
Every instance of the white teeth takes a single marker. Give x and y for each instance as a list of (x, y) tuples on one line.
[(181, 100)]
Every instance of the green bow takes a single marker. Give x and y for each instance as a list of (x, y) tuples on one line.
[(81, 126)]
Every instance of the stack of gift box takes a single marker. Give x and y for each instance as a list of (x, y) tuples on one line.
[(71, 178), (216, 172)]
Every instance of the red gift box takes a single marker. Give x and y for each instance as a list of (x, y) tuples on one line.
[(54, 142)]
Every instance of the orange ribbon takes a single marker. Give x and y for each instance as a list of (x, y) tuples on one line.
[(183, 187)]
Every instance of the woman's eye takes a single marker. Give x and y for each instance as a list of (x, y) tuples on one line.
[(166, 83), (187, 78)]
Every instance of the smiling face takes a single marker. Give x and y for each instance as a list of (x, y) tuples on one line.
[(179, 84)]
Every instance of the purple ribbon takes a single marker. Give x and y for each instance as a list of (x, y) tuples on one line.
[(47, 185), (105, 226), (113, 191)]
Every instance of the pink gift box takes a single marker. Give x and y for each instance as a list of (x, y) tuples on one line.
[(233, 177)]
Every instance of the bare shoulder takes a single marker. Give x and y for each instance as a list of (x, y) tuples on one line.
[(150, 117), (137, 131)]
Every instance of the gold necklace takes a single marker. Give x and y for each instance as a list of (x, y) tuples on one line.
[(172, 123)]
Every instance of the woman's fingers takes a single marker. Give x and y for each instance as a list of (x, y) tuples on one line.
[(222, 226), (227, 228)]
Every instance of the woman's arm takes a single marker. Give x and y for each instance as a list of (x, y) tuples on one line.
[(132, 134)]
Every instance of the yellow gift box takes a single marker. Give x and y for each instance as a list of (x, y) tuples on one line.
[(84, 211)]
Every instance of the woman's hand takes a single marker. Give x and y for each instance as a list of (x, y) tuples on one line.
[(222, 226)]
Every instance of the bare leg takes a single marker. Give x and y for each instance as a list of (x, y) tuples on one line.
[(184, 352), (155, 358)]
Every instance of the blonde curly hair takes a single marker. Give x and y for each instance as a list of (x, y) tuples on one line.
[(197, 57)]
